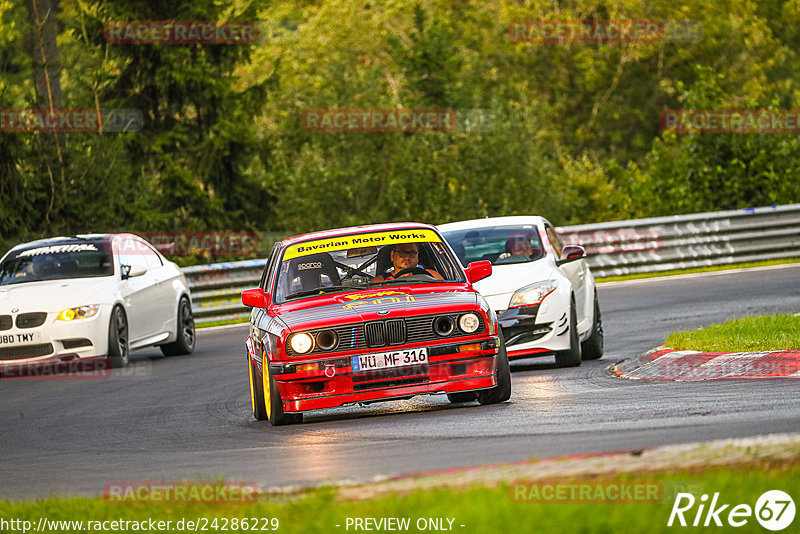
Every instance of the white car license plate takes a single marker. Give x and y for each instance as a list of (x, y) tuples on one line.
[(7, 340), (386, 360)]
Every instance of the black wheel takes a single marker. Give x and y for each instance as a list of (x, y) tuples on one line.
[(572, 356), (184, 344), (256, 392), (118, 339), (462, 396), (502, 391), (273, 402), (592, 348)]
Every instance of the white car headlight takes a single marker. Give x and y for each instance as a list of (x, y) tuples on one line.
[(81, 312), (469, 322), (301, 343), (533, 294)]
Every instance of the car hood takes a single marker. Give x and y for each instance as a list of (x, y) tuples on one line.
[(55, 295), (375, 304), (506, 279)]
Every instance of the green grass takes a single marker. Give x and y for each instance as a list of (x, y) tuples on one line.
[(485, 510), (709, 269), (243, 320), (770, 332)]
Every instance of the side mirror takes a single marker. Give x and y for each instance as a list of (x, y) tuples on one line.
[(132, 271), (571, 253), (255, 298), (478, 270)]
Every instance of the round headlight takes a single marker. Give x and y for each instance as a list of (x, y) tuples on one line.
[(443, 325), (301, 343), (469, 322), (327, 340)]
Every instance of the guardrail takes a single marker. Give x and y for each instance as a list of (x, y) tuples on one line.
[(614, 248), (685, 241)]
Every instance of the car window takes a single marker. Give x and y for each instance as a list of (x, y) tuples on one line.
[(266, 276), (132, 252), (555, 241), (151, 257), (497, 244), (55, 262)]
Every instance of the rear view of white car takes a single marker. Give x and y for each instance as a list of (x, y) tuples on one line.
[(542, 291), (71, 298)]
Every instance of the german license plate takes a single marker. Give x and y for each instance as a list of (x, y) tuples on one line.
[(387, 360), (20, 339)]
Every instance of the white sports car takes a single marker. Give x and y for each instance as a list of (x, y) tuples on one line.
[(70, 298), (542, 291)]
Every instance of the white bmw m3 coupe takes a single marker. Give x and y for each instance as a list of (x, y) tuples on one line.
[(66, 299), (542, 291)]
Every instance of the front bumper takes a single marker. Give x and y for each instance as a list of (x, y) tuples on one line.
[(54, 341), (451, 368), (531, 331)]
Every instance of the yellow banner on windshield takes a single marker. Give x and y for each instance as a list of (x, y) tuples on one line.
[(377, 239)]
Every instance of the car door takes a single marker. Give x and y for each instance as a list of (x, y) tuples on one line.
[(166, 309), (575, 271), (141, 293)]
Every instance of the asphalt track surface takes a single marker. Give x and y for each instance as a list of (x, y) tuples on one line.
[(168, 419)]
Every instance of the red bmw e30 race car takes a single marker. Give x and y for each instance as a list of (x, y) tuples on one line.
[(368, 314)]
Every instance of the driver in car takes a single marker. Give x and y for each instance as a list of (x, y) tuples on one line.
[(518, 245), (405, 257)]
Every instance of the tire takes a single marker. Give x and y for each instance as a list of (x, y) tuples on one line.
[(502, 391), (592, 348), (118, 349), (572, 356), (186, 337), (462, 396), (273, 402), (256, 392)]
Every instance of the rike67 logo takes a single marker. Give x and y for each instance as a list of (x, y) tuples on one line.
[(774, 510)]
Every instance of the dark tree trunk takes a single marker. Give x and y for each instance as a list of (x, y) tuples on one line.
[(47, 81), (44, 51)]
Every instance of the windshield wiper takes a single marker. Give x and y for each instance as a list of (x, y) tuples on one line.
[(318, 291)]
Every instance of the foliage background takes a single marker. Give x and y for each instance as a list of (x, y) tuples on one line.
[(570, 131)]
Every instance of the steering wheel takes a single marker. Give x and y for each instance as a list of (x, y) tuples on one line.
[(411, 270), (351, 271)]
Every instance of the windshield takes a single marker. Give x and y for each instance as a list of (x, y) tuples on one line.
[(500, 244), (56, 262), (364, 260)]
